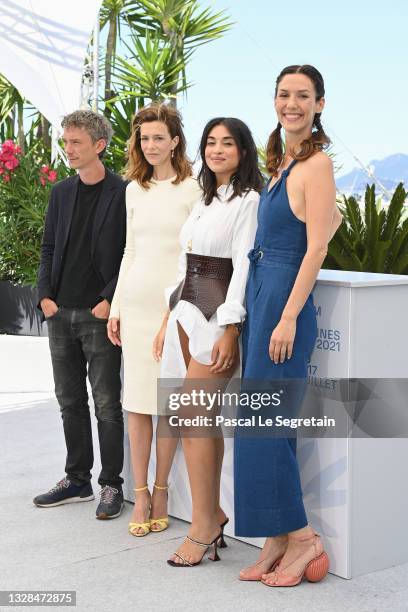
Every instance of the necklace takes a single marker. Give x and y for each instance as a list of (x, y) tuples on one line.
[(189, 247)]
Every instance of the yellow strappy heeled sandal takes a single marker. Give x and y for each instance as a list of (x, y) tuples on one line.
[(162, 523), (134, 527)]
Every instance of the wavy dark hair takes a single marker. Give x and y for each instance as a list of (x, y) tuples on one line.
[(247, 176), (318, 139), (138, 168)]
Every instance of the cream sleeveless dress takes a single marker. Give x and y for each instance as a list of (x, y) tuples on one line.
[(149, 264)]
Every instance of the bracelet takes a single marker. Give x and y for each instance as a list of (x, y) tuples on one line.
[(238, 327)]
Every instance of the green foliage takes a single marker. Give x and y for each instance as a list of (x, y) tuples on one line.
[(11, 106), (262, 160), (151, 73), (164, 34), (373, 238), (182, 26), (23, 202), (181, 22)]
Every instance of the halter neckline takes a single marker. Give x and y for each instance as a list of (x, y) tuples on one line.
[(289, 168), (284, 174)]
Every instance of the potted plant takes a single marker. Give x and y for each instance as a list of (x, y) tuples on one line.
[(373, 237)]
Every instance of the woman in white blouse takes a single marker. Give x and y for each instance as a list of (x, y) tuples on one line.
[(199, 341)]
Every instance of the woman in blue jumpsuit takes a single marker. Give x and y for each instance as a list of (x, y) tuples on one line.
[(280, 329)]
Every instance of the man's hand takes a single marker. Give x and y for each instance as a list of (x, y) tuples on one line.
[(48, 307), (101, 310)]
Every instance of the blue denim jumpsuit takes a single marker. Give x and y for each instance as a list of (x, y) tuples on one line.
[(268, 495)]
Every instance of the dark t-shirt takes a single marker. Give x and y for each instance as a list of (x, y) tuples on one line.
[(80, 283)]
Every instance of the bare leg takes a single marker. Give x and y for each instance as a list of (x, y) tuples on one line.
[(273, 549), (165, 450), (219, 440), (203, 459), (221, 516), (140, 429), (300, 550)]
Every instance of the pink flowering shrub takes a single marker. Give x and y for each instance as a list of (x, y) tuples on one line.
[(9, 159), (46, 174), (25, 185)]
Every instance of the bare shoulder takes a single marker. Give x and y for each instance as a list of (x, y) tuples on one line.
[(321, 162)]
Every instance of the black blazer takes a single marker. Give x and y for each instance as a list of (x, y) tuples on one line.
[(108, 234)]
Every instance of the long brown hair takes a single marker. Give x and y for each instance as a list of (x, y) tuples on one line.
[(316, 142), (138, 168)]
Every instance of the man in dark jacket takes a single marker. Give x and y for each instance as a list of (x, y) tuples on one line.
[(82, 248)]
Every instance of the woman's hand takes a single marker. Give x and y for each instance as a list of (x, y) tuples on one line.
[(225, 350), (158, 342), (113, 327), (282, 339)]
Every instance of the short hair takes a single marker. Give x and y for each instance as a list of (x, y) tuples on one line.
[(97, 126)]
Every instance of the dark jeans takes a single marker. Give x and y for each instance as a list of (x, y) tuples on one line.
[(78, 342)]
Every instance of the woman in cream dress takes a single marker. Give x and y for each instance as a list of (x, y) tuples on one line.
[(159, 199)]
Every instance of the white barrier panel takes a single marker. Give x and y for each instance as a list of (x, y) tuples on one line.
[(25, 364), (354, 489), (358, 500)]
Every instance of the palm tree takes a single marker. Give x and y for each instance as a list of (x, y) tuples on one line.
[(114, 13), (44, 131), (11, 106), (150, 74), (164, 34), (183, 27)]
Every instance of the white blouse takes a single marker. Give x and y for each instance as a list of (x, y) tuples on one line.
[(222, 229)]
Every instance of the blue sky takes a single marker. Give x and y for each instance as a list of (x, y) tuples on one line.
[(360, 47)]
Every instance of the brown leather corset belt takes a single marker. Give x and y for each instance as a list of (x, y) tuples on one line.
[(206, 283)]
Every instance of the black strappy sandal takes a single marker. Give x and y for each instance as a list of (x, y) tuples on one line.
[(221, 542), (214, 557)]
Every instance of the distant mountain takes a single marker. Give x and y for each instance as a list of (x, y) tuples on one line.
[(389, 171)]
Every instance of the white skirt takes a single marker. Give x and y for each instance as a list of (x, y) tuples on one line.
[(202, 335)]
